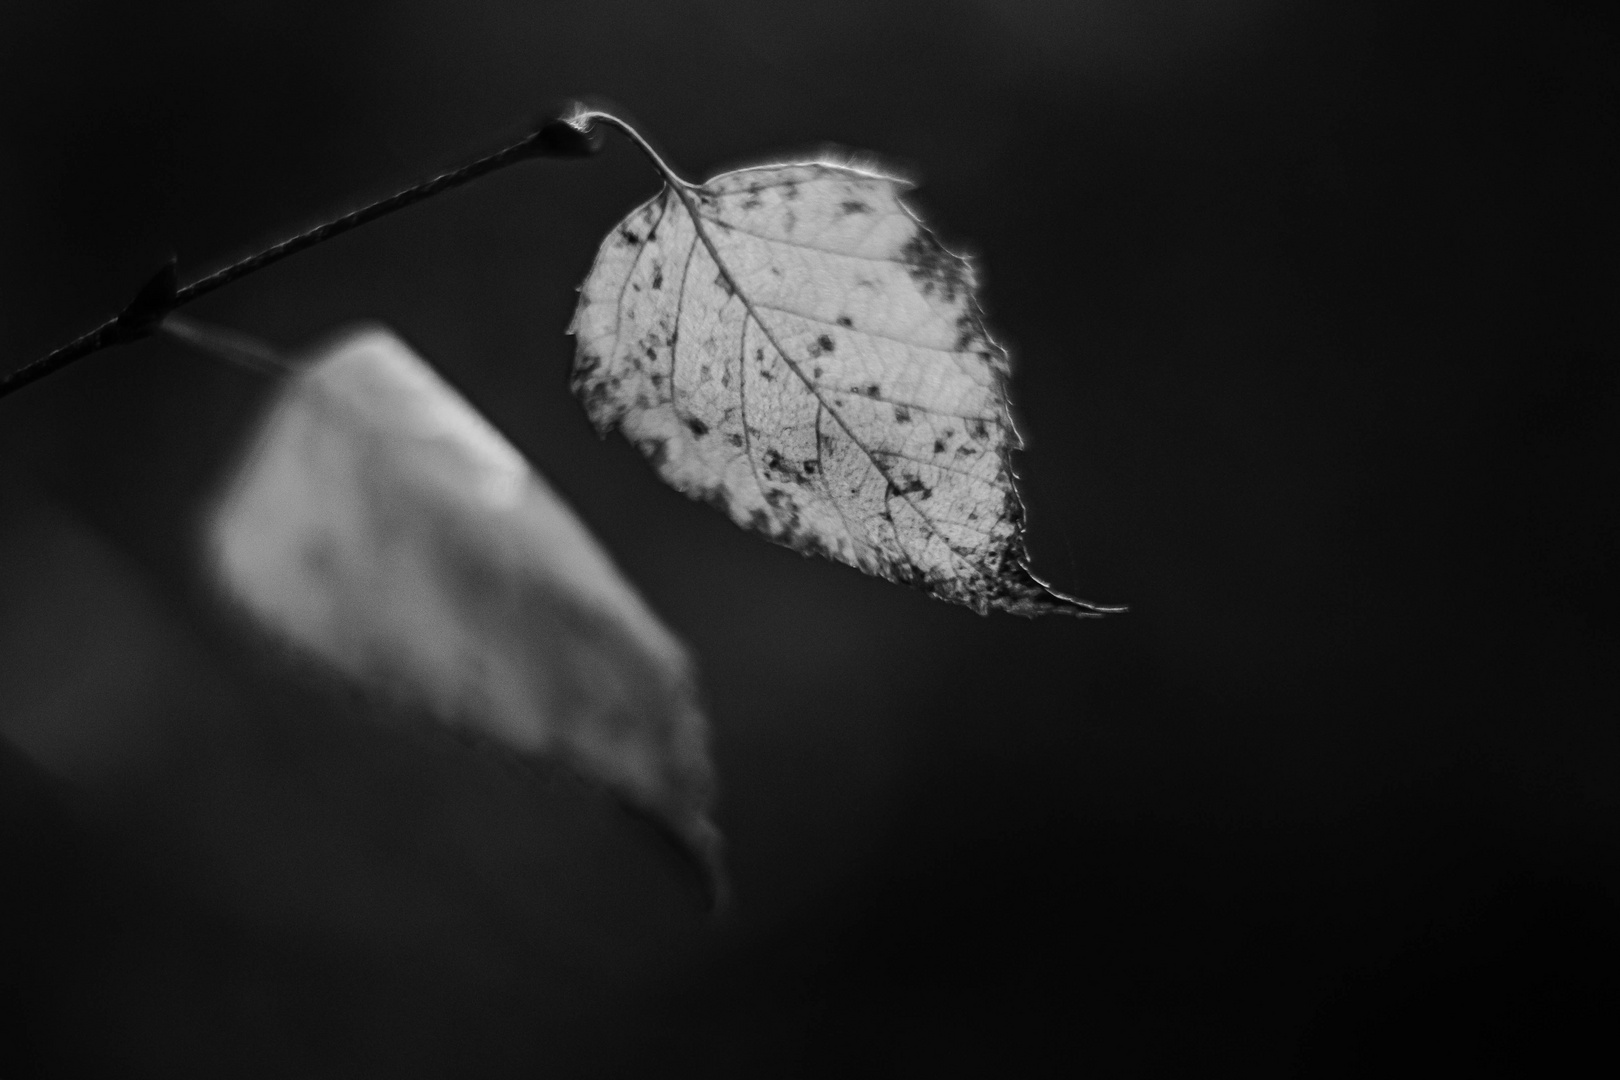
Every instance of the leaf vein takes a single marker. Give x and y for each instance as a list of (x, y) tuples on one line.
[(689, 202), (821, 170), (807, 317), (618, 309), (931, 410), (891, 259), (742, 406), (821, 475), (939, 465), (680, 305)]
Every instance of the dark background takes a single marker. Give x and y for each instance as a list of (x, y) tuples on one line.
[(1314, 311)]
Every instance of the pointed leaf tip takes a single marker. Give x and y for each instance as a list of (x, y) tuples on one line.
[(793, 345)]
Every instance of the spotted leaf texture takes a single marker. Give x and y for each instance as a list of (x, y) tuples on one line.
[(793, 345)]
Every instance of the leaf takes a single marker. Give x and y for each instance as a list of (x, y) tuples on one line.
[(793, 345), (384, 526)]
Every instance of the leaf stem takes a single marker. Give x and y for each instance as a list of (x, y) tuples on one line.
[(583, 118), (552, 138)]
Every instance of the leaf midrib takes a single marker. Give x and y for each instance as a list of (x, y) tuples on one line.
[(683, 191)]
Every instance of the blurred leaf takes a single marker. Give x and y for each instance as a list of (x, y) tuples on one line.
[(383, 525), (791, 344)]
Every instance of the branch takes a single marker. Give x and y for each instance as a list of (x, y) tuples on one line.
[(162, 294)]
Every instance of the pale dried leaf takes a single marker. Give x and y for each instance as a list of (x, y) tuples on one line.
[(381, 524), (791, 344)]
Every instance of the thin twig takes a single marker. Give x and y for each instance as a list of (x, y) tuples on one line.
[(160, 296)]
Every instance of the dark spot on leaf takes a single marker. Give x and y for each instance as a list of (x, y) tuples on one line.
[(939, 446), (932, 267), (594, 395), (655, 450), (854, 206), (968, 331), (870, 390), (734, 440), (911, 486), (966, 451), (658, 277), (845, 320), (979, 430), (699, 428), (773, 461), (817, 372), (630, 238), (718, 498), (811, 466), (825, 342), (657, 379), (902, 415), (790, 190)]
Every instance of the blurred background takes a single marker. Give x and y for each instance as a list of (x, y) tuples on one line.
[(1313, 308)]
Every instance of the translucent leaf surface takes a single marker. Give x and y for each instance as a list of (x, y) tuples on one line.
[(791, 344), (382, 525)]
